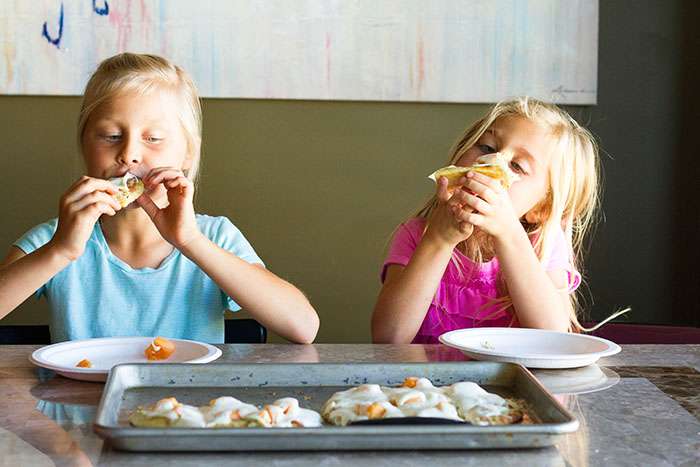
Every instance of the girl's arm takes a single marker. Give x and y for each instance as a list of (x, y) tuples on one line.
[(407, 293), (21, 275), (80, 207), (275, 303), (539, 297), (409, 290)]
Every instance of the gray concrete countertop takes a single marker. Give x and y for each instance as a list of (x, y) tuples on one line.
[(639, 407)]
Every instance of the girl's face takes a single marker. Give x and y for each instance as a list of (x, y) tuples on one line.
[(528, 142), (134, 134)]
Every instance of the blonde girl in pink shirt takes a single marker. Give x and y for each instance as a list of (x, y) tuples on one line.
[(490, 256)]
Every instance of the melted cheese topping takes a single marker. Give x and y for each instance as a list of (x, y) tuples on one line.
[(130, 187), (417, 397), (284, 413), (122, 183), (475, 405), (225, 412)]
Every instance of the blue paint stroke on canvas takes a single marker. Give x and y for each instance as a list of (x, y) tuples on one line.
[(45, 32), (100, 11)]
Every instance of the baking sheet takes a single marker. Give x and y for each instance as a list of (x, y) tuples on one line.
[(133, 385)]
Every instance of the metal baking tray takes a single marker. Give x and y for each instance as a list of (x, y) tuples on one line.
[(133, 385)]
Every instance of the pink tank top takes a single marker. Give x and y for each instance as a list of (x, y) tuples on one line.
[(463, 291)]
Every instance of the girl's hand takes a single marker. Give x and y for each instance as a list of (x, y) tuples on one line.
[(176, 222), (446, 225), (485, 204), (80, 207)]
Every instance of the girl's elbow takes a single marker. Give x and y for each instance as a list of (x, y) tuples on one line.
[(387, 335), (307, 333), (380, 336)]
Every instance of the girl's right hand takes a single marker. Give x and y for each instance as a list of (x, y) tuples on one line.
[(445, 226), (79, 209)]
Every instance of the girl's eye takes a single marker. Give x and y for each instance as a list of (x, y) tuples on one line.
[(516, 167), (487, 149), (112, 137), (152, 139)]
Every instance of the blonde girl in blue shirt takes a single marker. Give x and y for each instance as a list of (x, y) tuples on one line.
[(154, 267)]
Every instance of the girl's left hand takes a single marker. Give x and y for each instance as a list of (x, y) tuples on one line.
[(176, 222), (486, 205)]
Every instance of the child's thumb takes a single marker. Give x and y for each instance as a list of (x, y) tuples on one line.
[(148, 205)]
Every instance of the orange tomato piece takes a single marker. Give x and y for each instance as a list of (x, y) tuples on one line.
[(410, 382), (412, 400), (160, 349), (85, 364), (376, 410)]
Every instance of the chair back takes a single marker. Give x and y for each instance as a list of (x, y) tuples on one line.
[(25, 334), (236, 331), (244, 331)]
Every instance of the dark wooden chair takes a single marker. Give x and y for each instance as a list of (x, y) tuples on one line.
[(627, 333), (244, 331), (25, 334), (236, 331)]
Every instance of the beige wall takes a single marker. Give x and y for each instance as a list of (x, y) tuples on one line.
[(317, 187)]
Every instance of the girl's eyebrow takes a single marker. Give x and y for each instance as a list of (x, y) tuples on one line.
[(522, 152)]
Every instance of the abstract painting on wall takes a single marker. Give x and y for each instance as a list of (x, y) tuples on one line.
[(375, 50)]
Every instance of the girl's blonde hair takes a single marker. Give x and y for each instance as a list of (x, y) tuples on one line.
[(140, 75), (572, 199)]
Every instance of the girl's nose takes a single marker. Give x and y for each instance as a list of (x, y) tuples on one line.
[(131, 152)]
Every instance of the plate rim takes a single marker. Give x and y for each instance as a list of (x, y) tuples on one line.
[(612, 349), (36, 357)]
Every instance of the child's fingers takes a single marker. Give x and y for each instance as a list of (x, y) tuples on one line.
[(182, 185), (90, 209), (443, 194), (91, 198), (470, 217), (460, 199), (148, 205), (472, 202), (161, 174), (180, 181), (466, 228), (85, 185), (483, 185)]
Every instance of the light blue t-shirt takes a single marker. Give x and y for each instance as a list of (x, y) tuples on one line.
[(99, 295)]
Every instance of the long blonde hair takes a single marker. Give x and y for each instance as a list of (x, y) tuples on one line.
[(572, 200), (143, 74)]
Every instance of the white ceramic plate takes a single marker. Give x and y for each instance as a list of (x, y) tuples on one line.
[(105, 352), (533, 348)]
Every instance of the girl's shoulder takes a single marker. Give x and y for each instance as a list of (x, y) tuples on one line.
[(408, 234), (207, 221), (221, 231), (219, 228), (414, 226)]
